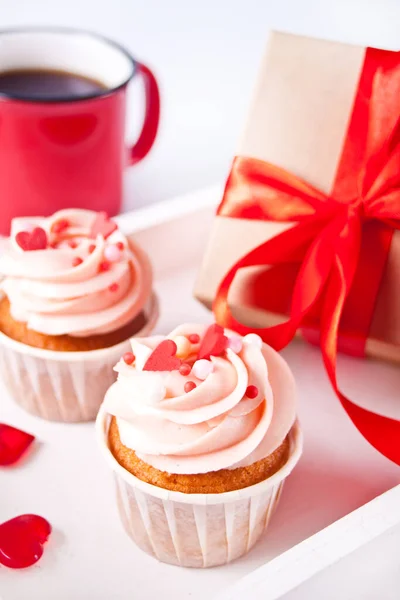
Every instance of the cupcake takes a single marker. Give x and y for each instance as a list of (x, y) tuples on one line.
[(74, 290), (200, 430)]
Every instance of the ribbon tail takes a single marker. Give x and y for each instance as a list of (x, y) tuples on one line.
[(383, 433)]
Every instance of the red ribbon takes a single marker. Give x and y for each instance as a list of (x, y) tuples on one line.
[(340, 242)]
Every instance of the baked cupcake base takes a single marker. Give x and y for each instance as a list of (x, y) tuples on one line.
[(195, 530), (216, 482), (65, 343), (63, 386)]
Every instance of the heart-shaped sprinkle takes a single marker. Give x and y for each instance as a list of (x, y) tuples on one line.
[(13, 444), (163, 358), (102, 225), (22, 539), (32, 240), (213, 343)]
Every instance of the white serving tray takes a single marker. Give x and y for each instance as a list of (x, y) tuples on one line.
[(66, 480)]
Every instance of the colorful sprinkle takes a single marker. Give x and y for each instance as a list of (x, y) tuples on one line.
[(253, 338), (104, 266), (185, 369), (129, 358), (182, 345), (32, 240), (77, 261), (102, 225), (60, 226), (120, 246), (202, 369), (163, 358), (194, 338), (113, 287), (72, 244), (251, 392), (112, 253), (189, 386), (235, 343), (92, 248)]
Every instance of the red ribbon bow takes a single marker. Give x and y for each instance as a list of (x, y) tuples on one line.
[(340, 241)]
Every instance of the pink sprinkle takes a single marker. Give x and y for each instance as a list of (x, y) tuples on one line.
[(72, 244), (129, 358), (91, 248), (189, 386), (113, 287), (77, 261), (202, 368), (185, 369), (104, 266), (60, 226), (235, 344), (251, 391), (194, 338), (120, 246), (112, 253)]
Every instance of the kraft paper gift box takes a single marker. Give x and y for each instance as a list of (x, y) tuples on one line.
[(298, 120)]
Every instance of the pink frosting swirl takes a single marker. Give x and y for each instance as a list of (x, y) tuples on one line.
[(215, 425), (77, 285)]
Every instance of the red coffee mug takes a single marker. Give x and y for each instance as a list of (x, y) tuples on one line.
[(69, 152)]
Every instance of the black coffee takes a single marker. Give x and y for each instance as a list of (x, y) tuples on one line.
[(47, 84)]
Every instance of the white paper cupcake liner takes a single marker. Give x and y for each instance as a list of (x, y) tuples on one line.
[(63, 386), (195, 530)]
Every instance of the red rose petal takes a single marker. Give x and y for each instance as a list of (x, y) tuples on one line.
[(22, 539), (213, 343), (13, 444)]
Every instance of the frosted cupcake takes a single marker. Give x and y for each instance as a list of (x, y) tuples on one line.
[(74, 290), (200, 430)]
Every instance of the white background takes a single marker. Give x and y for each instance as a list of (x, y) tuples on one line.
[(205, 54)]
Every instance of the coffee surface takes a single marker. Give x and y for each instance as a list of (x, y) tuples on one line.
[(47, 84)]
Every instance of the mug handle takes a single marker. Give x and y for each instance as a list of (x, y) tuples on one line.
[(151, 116)]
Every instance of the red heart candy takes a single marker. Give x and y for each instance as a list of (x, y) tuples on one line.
[(213, 343), (22, 539), (163, 358), (102, 225), (13, 444), (32, 240)]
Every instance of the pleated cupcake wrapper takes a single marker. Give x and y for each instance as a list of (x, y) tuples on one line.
[(195, 530), (63, 386)]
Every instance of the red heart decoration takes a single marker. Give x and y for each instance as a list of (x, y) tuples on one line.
[(163, 358), (32, 240), (22, 539), (102, 225), (213, 343), (13, 444)]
